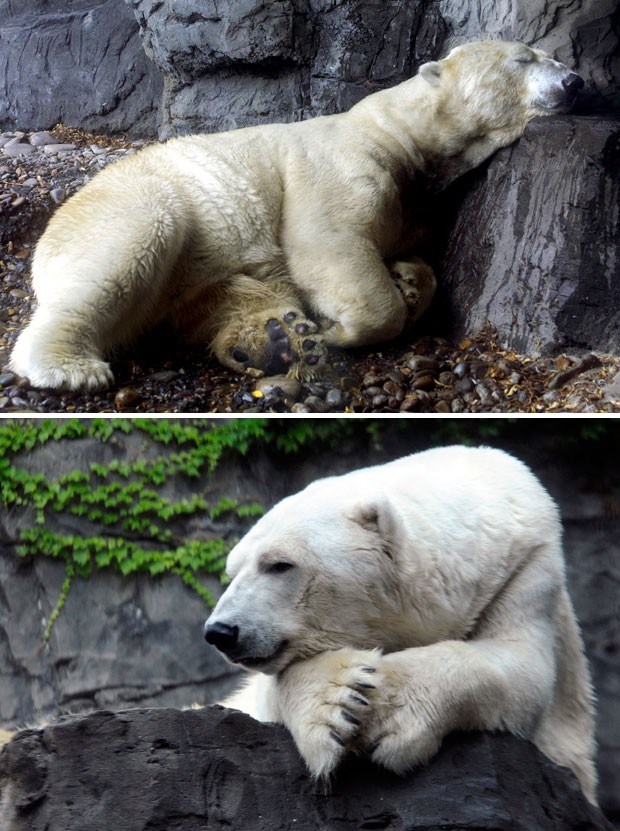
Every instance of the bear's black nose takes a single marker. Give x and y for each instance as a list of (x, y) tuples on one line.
[(572, 83), (221, 635)]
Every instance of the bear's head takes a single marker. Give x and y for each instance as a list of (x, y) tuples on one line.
[(311, 576), (499, 85)]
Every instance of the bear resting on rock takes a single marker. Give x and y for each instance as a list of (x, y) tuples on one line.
[(271, 243), (385, 608)]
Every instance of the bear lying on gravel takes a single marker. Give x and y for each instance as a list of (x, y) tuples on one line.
[(270, 243), (387, 607)]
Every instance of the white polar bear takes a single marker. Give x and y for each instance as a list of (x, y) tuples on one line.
[(270, 243), (390, 606)]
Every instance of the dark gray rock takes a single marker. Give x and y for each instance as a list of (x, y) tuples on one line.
[(215, 768), (535, 247), (239, 62), (117, 642), (80, 63)]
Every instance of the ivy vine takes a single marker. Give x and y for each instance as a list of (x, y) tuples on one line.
[(133, 523)]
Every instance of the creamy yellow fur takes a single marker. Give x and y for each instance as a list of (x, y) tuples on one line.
[(187, 229)]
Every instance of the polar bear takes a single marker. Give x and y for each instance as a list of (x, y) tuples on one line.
[(384, 608), (270, 243)]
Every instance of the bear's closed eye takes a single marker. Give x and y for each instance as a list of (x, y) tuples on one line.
[(278, 568)]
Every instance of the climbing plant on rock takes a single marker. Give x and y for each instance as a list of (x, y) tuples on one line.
[(131, 523)]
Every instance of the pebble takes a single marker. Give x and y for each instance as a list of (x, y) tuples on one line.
[(290, 387), (18, 149), (41, 138), (58, 148)]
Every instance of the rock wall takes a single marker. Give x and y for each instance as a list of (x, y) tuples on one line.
[(217, 769), (79, 62), (123, 642), (215, 65)]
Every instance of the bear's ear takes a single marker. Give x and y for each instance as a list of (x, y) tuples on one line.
[(431, 72), (379, 517)]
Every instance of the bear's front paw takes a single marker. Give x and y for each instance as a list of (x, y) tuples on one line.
[(326, 701), (280, 343), (408, 721), (417, 284)]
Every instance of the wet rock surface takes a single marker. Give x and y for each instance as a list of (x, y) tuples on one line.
[(163, 769), (471, 370)]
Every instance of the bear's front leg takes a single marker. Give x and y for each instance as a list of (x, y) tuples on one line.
[(324, 702), (427, 692)]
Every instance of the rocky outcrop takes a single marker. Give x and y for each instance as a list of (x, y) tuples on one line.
[(535, 247), (79, 63), (218, 769)]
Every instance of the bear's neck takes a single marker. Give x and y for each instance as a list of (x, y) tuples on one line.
[(412, 125)]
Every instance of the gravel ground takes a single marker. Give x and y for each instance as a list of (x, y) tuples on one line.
[(39, 171)]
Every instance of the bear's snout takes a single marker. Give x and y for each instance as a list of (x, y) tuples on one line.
[(573, 83), (221, 635)]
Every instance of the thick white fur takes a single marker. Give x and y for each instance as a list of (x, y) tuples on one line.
[(192, 230), (422, 596)]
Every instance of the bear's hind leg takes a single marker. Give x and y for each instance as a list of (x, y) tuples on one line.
[(262, 324), (51, 353), (102, 274)]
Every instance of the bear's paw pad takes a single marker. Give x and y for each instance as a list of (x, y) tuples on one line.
[(286, 343)]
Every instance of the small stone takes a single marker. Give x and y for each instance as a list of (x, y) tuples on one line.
[(7, 378), (58, 148), (461, 369), (464, 385), (410, 403), (58, 195), (20, 293), (127, 399), (418, 363), (18, 149), (41, 138), (18, 403), (334, 398), (446, 379), (371, 379), (164, 376), (290, 387), (316, 404), (443, 407), (424, 381), (379, 400), (300, 408)]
